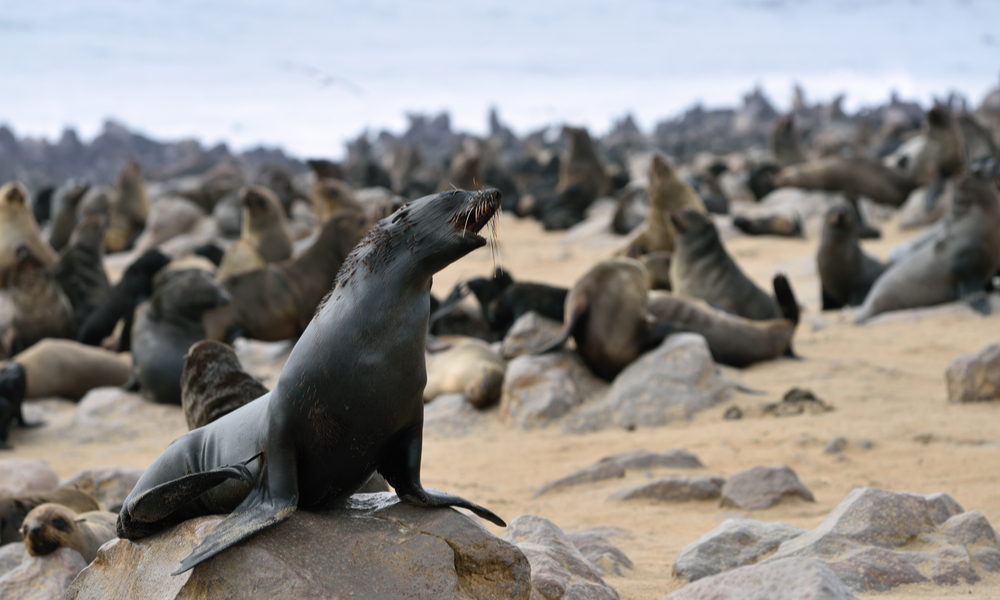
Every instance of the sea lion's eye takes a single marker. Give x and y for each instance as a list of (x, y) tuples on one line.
[(60, 524)]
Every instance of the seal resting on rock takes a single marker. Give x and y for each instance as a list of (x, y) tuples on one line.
[(348, 403), (49, 527)]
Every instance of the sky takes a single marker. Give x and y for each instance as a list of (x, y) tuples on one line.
[(307, 76)]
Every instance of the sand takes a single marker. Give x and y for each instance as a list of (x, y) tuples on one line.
[(885, 381)]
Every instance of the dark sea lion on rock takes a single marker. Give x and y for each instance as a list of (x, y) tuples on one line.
[(17, 227), (166, 326), (67, 369), (135, 286), (846, 273), (64, 202), (955, 264), (701, 268), (606, 314), (504, 300), (773, 225), (49, 527), (264, 223), (41, 309), (14, 509), (864, 176), (80, 270), (214, 383), (348, 403)]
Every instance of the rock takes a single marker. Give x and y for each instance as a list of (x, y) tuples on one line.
[(593, 544), (797, 401), (975, 377), (538, 390), (527, 333), (21, 476), (942, 507), (675, 458), (558, 569), (735, 543), (788, 579), (452, 415), (674, 381), (26, 577), (112, 413), (761, 487), (595, 472), (836, 445), (374, 547), (109, 485), (673, 489)]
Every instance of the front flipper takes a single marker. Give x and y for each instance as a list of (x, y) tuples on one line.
[(401, 468), (272, 501)]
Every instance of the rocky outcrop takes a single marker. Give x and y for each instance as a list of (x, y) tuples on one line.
[(611, 467), (538, 390), (975, 377)]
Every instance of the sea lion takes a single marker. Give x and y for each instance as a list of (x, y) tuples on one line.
[(49, 527), (606, 314), (264, 224), (464, 173), (701, 268), (580, 165), (41, 309), (772, 225), (67, 369), (130, 209), (857, 175), (166, 326), (41, 204), (80, 270), (330, 195), (504, 300), (277, 302), (468, 366), (97, 201), (785, 142), (348, 402), (64, 202), (214, 384), (657, 264), (215, 184), (241, 257), (17, 227), (135, 286), (168, 218), (705, 182), (279, 180), (955, 264), (942, 155), (668, 193), (846, 273), (733, 340), (211, 252), (14, 509), (12, 392)]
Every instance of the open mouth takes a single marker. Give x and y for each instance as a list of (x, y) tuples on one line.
[(481, 209)]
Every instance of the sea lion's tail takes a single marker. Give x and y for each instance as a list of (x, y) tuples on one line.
[(786, 298)]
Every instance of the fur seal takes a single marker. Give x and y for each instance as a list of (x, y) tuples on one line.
[(329, 195), (222, 179), (785, 142), (264, 224), (955, 264), (277, 179), (277, 302), (18, 227), (857, 175), (130, 210), (168, 218), (348, 402), (701, 268), (41, 309), (14, 509), (68, 369), (606, 314), (241, 257), (165, 328), (80, 270), (12, 393), (504, 300), (135, 286), (943, 153), (733, 340), (580, 165), (214, 384), (49, 527), (41, 204), (846, 273), (64, 202), (468, 366), (464, 173), (772, 225), (668, 193)]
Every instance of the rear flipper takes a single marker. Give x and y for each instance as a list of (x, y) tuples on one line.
[(786, 298), (573, 317)]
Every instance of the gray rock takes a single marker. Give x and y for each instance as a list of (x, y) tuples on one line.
[(26, 577), (594, 545), (972, 531), (452, 415), (528, 333), (112, 413), (673, 489), (558, 569), (836, 445), (735, 543), (788, 579), (374, 547), (675, 458), (538, 390), (109, 485), (942, 507), (761, 487), (595, 472), (975, 377), (674, 381), (21, 476)]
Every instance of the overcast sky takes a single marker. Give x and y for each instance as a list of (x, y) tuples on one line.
[(308, 75)]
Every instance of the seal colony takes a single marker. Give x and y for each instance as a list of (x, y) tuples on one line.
[(348, 403)]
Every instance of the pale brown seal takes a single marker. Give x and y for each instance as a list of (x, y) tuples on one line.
[(858, 175), (41, 309), (49, 527), (14, 509), (18, 226), (668, 194), (264, 224), (130, 210), (240, 257), (69, 369), (468, 366)]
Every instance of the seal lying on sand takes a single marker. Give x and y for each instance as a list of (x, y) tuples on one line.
[(846, 273), (348, 402), (49, 527)]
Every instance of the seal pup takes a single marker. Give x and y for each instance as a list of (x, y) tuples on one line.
[(701, 268), (130, 209), (64, 202), (80, 270), (348, 402), (49, 527), (846, 272), (166, 326), (469, 367), (955, 264), (41, 309), (264, 224), (136, 285), (13, 509), (66, 368), (606, 315), (668, 193), (504, 300), (18, 227), (214, 384)]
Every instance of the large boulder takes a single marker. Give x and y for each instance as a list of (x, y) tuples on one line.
[(26, 577), (674, 381), (735, 543), (975, 377), (788, 579), (374, 547), (538, 390), (762, 487), (23, 476)]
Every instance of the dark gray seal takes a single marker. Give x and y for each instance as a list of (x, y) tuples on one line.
[(348, 403), (846, 273)]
